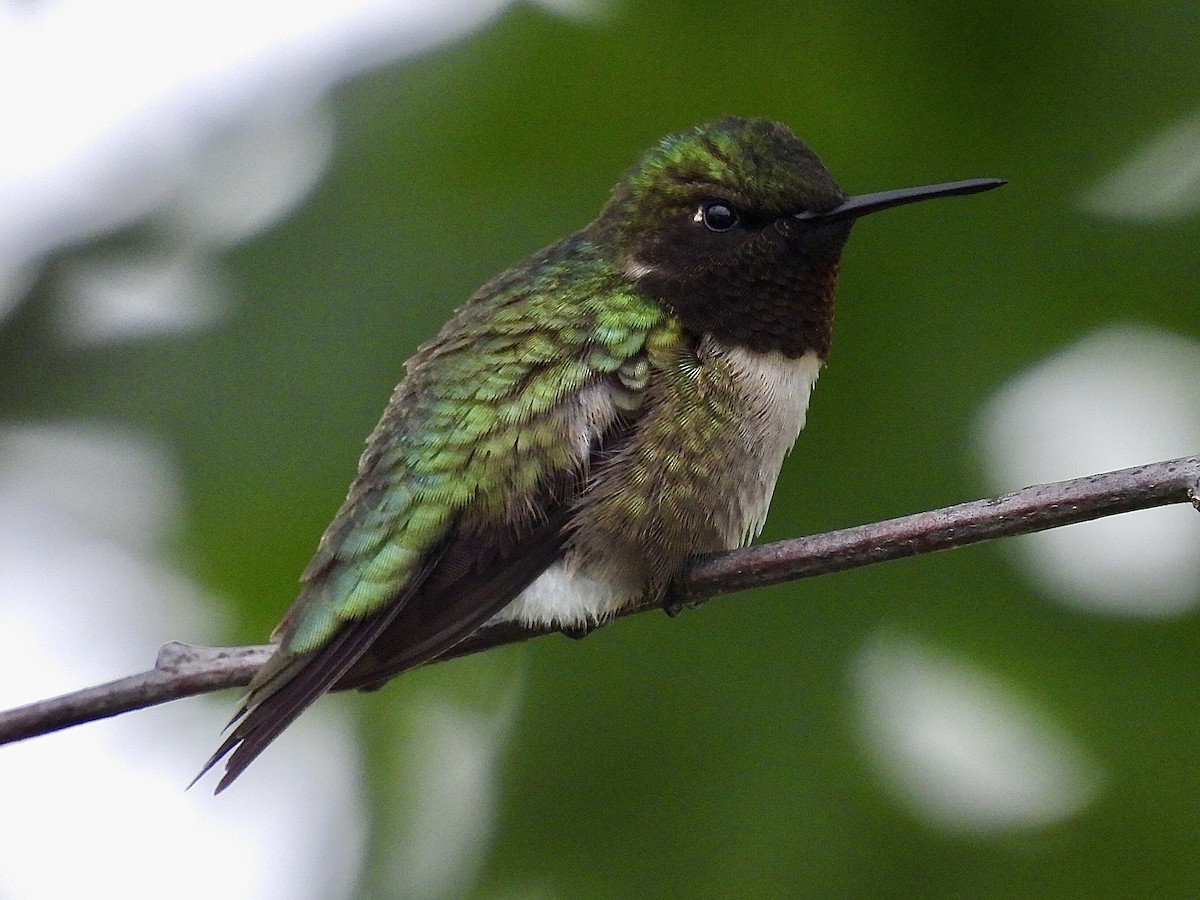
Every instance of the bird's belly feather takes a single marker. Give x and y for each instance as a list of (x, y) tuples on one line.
[(695, 479)]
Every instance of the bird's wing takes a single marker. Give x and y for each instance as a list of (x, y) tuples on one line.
[(416, 627), (463, 496)]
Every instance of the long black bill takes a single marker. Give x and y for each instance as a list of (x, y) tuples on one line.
[(869, 203)]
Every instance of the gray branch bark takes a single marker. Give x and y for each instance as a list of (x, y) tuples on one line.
[(182, 670)]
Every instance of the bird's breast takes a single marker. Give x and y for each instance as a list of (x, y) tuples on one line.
[(774, 390), (695, 476)]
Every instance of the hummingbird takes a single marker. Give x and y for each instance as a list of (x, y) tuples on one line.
[(587, 423)]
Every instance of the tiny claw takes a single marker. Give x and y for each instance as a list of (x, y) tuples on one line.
[(678, 599), (577, 632)]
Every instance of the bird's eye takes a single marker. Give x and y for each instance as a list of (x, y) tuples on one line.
[(717, 215)]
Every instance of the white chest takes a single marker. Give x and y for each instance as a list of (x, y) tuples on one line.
[(775, 391)]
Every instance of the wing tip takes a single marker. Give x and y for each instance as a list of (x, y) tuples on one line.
[(287, 689), (240, 749), (221, 753)]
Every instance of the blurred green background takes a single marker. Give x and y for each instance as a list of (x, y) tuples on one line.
[(719, 754)]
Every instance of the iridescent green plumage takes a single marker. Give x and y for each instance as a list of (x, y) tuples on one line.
[(585, 424), (477, 430)]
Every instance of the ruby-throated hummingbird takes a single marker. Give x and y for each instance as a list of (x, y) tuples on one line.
[(586, 423)]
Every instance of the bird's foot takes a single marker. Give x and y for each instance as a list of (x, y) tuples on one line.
[(577, 632), (678, 599)]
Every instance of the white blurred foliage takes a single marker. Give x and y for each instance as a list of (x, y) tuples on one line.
[(87, 592), (440, 840), (961, 749), (15, 284), (1116, 398), (252, 173), (1158, 181), (108, 297), (240, 181), (206, 116)]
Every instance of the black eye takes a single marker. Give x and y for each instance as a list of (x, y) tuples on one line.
[(717, 215)]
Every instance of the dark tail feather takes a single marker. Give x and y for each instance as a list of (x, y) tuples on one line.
[(482, 576), (290, 691), (289, 683)]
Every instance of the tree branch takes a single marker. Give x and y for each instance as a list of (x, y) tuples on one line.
[(182, 670)]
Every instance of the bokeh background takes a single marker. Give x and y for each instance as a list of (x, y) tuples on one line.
[(224, 227)]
